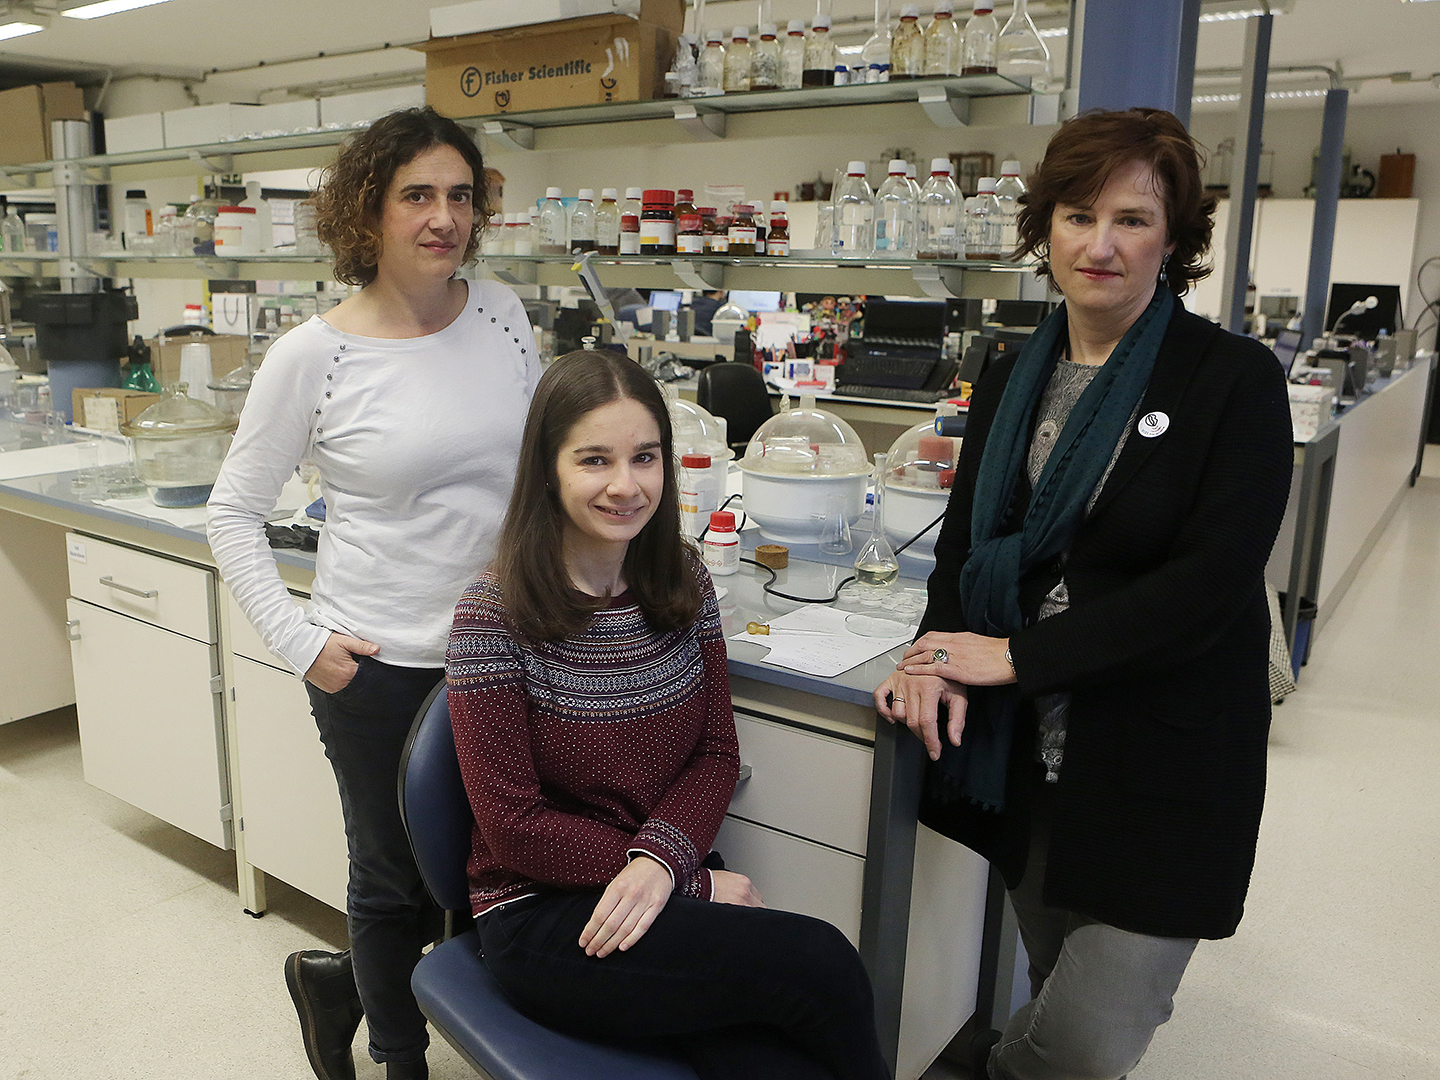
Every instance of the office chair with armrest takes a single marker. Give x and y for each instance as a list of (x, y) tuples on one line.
[(737, 392), (454, 988)]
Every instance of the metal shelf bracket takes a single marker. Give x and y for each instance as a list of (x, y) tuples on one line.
[(703, 126), (510, 136), (700, 278), (221, 269), (945, 109), (940, 283), (216, 163), (17, 179)]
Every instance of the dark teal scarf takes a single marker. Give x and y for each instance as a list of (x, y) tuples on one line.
[(990, 578)]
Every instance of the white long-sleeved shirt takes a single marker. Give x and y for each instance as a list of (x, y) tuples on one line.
[(416, 441)]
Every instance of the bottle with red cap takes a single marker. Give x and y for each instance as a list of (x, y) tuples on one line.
[(699, 494), (721, 549), (657, 222)]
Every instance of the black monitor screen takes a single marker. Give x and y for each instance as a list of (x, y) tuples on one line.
[(1287, 343), (1365, 324)]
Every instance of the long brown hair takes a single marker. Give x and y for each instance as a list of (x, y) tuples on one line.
[(1086, 150), (659, 566)]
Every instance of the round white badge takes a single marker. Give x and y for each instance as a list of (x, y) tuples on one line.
[(1153, 424)]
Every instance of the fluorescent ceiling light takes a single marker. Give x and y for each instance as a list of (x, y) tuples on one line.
[(107, 7), (1231, 16), (18, 29), (1273, 95)]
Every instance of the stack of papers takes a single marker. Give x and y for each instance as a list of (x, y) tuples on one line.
[(826, 654)]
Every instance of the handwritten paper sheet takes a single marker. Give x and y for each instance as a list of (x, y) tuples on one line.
[(826, 654)]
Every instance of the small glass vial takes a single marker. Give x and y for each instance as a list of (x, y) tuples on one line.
[(942, 41), (819, 55), (792, 56), (721, 548), (657, 222), (777, 240), (607, 223), (742, 231), (737, 61), (689, 234), (765, 61), (717, 239), (582, 222), (907, 49), (981, 30), (554, 227), (712, 63)]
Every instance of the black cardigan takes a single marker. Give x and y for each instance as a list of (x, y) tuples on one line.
[(1164, 649)]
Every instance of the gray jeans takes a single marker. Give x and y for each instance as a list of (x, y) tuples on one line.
[(1097, 993)]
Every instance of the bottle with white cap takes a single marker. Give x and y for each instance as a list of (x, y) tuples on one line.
[(492, 240), (554, 228), (737, 61), (854, 213), (943, 41), (910, 179), (982, 222), (792, 56), (907, 48), (607, 223), (819, 55), (264, 220), (1008, 190), (940, 207), (582, 222), (712, 63), (981, 30), (630, 212), (765, 60), (895, 214)]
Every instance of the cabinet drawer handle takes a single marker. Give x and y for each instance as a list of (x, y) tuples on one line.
[(72, 629), (144, 594), (745, 774)]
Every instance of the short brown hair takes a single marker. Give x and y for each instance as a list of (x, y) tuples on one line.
[(541, 602), (352, 188), (1081, 157)]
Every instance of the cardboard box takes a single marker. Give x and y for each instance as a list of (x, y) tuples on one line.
[(227, 352), (91, 408), (25, 116), (352, 110), (128, 134), (586, 61), (208, 123)]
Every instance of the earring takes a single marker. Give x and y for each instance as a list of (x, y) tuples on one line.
[(1165, 259)]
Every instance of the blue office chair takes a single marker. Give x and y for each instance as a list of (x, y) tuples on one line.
[(455, 989)]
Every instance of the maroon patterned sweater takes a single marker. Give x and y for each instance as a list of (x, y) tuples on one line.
[(577, 754)]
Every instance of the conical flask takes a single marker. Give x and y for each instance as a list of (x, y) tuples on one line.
[(877, 564), (1019, 51)]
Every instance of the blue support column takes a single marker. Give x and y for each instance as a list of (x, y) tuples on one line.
[(1245, 172), (1327, 198), (1136, 53)]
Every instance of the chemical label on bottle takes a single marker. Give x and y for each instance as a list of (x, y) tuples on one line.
[(742, 234), (629, 243), (719, 243), (721, 558), (657, 232), (690, 244), (777, 247)]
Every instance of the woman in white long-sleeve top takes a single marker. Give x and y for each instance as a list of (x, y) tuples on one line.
[(409, 397)]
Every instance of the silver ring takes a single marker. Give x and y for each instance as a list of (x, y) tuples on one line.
[(894, 698), (939, 656)]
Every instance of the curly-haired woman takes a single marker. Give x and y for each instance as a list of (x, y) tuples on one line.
[(409, 397)]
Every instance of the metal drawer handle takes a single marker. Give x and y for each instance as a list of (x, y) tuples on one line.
[(72, 629), (745, 774), (144, 594)]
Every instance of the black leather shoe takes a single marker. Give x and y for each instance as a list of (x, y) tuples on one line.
[(407, 1070), (981, 1043), (322, 985)]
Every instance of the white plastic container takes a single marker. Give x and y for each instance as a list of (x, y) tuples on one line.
[(721, 547), (699, 494), (264, 220), (139, 222), (236, 231)]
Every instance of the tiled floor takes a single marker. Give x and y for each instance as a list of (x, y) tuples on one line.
[(124, 952)]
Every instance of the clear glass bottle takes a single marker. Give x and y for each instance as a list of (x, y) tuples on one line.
[(607, 223), (1020, 51), (854, 213), (492, 239), (942, 41), (981, 30), (765, 60), (940, 206), (1008, 190), (819, 55), (876, 51), (982, 222), (712, 63), (895, 214), (630, 211), (12, 231), (582, 222), (522, 235), (914, 184), (792, 56), (877, 563), (737, 61), (907, 49), (554, 228)]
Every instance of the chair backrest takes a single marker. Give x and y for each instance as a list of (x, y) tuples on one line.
[(737, 392), (433, 804)]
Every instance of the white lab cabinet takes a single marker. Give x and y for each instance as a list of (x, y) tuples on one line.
[(289, 804), (147, 684)]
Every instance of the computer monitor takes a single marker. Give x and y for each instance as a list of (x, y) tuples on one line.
[(755, 301), (665, 300), (1287, 344), (1365, 324)]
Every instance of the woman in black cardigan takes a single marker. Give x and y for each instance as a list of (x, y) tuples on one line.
[(1091, 677)]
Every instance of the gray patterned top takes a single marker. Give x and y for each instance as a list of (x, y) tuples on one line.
[(1068, 382)]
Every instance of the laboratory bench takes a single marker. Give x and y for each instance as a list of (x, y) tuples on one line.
[(185, 714)]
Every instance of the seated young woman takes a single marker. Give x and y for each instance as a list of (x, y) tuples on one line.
[(592, 716)]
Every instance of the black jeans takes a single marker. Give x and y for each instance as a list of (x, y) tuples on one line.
[(391, 916), (745, 993)]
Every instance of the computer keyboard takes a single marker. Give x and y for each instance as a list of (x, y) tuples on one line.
[(892, 393)]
